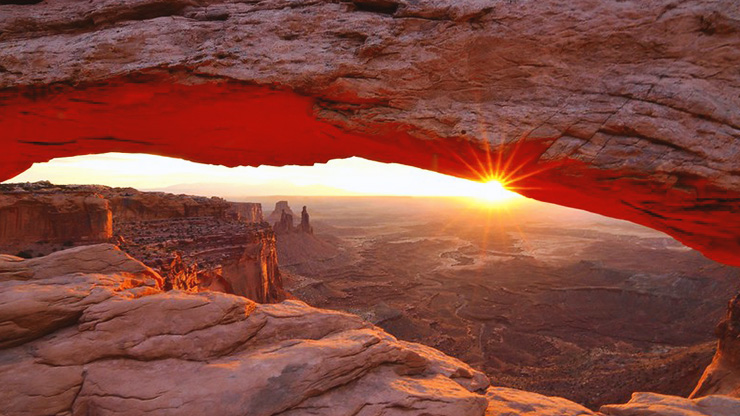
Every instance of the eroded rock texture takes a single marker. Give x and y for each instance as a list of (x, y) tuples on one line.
[(651, 404), (723, 374), (89, 331), (30, 219), (628, 109)]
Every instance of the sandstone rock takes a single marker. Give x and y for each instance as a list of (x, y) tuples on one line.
[(41, 295), (30, 217), (510, 402), (723, 374), (305, 225), (129, 204), (277, 214), (285, 225), (255, 274), (628, 109), (651, 404), (130, 348), (247, 212)]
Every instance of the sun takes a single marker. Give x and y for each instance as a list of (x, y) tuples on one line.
[(492, 192)]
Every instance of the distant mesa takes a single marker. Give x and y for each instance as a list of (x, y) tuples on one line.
[(282, 220), (280, 207)]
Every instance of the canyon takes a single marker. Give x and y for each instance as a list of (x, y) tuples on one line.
[(539, 298), (94, 325)]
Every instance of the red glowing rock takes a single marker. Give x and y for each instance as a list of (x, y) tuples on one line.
[(571, 102)]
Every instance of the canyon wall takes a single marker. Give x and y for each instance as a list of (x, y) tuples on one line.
[(29, 218), (129, 204), (255, 274), (225, 243), (627, 109), (248, 212)]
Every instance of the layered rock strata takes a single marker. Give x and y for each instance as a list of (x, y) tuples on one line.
[(248, 212), (225, 245), (33, 219)]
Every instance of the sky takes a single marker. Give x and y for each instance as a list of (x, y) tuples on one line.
[(353, 176)]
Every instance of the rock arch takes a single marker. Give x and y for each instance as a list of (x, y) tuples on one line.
[(628, 109)]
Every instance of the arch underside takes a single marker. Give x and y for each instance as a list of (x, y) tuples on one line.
[(630, 116)]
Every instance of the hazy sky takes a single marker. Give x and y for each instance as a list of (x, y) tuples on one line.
[(353, 176)]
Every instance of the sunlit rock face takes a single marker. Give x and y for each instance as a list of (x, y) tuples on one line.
[(89, 331), (255, 274), (129, 204), (626, 108), (247, 212), (31, 217), (723, 374), (651, 404)]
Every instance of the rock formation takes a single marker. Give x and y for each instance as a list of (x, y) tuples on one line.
[(129, 204), (32, 217), (628, 109), (651, 404), (247, 212), (277, 214), (285, 225), (235, 249), (305, 225), (89, 331), (104, 339), (723, 374), (255, 274)]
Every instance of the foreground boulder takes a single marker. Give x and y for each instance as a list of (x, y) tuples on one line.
[(651, 404), (89, 331)]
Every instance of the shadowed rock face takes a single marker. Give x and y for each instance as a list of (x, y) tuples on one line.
[(628, 109)]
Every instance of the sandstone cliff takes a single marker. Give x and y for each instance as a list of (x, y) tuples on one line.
[(624, 108), (32, 217), (129, 204), (236, 252), (277, 213), (255, 274), (247, 212)]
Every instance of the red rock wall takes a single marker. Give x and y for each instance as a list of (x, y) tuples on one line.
[(255, 274), (26, 219), (132, 205), (248, 212)]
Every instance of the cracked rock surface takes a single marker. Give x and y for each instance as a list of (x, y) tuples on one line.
[(88, 331)]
